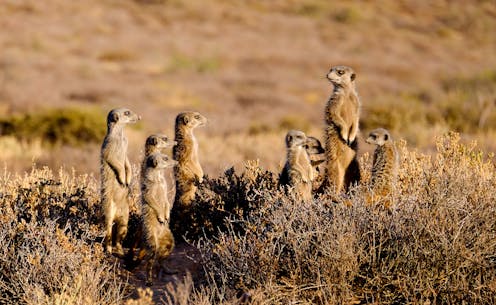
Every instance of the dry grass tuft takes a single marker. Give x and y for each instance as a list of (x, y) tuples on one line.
[(49, 253)]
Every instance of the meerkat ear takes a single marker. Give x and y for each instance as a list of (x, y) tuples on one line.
[(353, 76), (152, 162), (151, 141), (289, 138), (185, 119), (114, 117)]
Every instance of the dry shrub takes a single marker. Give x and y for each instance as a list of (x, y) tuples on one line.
[(436, 245), (230, 196), (73, 126), (48, 254), (260, 245)]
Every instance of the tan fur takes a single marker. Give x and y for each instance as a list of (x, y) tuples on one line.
[(298, 171), (115, 177), (342, 117), (155, 143), (385, 164), (158, 241), (317, 158), (188, 172)]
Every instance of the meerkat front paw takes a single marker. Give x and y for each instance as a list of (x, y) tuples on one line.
[(345, 136), (121, 178)]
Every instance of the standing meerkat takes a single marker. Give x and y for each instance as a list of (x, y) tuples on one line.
[(385, 163), (116, 177), (158, 241), (298, 171), (342, 116), (188, 172)]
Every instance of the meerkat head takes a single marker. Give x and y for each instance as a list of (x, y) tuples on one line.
[(159, 141), (159, 161), (122, 116), (295, 138), (190, 119), (378, 137), (313, 146), (341, 75)]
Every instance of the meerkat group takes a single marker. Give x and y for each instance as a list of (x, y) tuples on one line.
[(309, 168), (154, 238), (340, 169)]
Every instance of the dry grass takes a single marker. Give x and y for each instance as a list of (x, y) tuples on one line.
[(436, 245), (49, 225)]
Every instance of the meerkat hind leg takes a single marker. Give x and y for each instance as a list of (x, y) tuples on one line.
[(109, 221), (120, 235), (151, 257)]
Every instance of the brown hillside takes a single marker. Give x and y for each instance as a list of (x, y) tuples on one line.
[(254, 68)]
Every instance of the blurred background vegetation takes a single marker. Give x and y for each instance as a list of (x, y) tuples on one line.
[(254, 68)]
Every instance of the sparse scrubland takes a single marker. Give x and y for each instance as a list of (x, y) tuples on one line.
[(255, 69), (436, 245)]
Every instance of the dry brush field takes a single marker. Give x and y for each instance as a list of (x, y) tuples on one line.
[(425, 70)]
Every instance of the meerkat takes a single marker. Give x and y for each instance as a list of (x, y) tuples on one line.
[(385, 163), (116, 176), (188, 172), (342, 116), (298, 171), (158, 241)]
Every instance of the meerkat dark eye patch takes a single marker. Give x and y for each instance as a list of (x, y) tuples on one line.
[(197, 117), (386, 137), (353, 76), (340, 72), (127, 113)]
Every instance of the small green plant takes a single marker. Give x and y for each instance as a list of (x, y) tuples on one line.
[(72, 126)]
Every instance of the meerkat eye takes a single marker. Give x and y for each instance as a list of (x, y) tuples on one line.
[(127, 113), (340, 72), (197, 117), (165, 139), (373, 136)]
